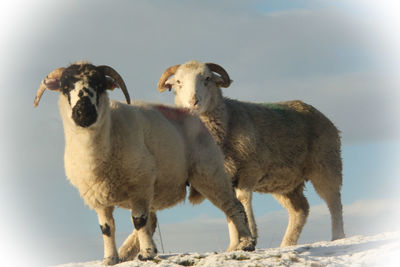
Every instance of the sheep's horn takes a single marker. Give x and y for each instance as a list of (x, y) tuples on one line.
[(164, 77), (52, 82), (107, 70), (220, 70)]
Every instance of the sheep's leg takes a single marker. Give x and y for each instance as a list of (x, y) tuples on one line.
[(239, 232), (331, 195), (245, 197), (233, 236), (143, 221), (107, 226), (297, 206), (130, 248), (219, 192)]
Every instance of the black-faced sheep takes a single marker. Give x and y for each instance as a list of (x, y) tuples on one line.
[(269, 148), (138, 157)]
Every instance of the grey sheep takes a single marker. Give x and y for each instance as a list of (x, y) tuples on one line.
[(269, 148)]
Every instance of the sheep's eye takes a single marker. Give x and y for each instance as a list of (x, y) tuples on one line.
[(207, 79), (178, 81)]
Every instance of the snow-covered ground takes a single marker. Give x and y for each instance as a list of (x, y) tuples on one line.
[(378, 250)]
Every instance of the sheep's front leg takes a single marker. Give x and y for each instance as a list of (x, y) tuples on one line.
[(245, 197), (130, 248), (143, 222), (107, 226)]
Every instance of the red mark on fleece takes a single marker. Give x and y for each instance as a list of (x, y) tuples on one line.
[(173, 114), (179, 114)]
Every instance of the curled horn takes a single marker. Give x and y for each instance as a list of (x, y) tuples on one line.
[(164, 77), (107, 70), (52, 82), (224, 75)]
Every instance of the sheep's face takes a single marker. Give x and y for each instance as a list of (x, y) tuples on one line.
[(83, 91), (83, 85), (193, 85)]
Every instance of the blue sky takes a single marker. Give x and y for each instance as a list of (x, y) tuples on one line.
[(341, 57)]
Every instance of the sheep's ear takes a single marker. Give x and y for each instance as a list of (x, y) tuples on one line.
[(219, 81), (111, 84), (164, 82), (169, 83), (53, 84), (52, 81)]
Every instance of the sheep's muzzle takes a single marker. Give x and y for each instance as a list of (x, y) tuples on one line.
[(84, 113)]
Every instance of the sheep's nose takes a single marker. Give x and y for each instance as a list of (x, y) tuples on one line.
[(84, 112)]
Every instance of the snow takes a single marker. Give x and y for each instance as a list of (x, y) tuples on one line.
[(378, 250)]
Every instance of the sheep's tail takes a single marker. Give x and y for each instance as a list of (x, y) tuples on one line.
[(195, 197)]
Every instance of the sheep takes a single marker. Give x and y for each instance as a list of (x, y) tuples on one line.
[(138, 157), (269, 148)]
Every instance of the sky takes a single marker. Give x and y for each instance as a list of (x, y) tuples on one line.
[(341, 57)]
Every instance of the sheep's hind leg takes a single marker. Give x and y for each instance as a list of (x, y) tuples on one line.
[(330, 192), (143, 221), (233, 236), (130, 248), (297, 206), (219, 191), (107, 227)]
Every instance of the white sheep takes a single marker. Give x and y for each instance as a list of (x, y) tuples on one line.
[(269, 148), (138, 157)]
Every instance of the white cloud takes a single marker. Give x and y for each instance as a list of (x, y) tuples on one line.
[(324, 56)]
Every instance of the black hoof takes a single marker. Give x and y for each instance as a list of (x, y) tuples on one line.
[(142, 258), (249, 248)]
